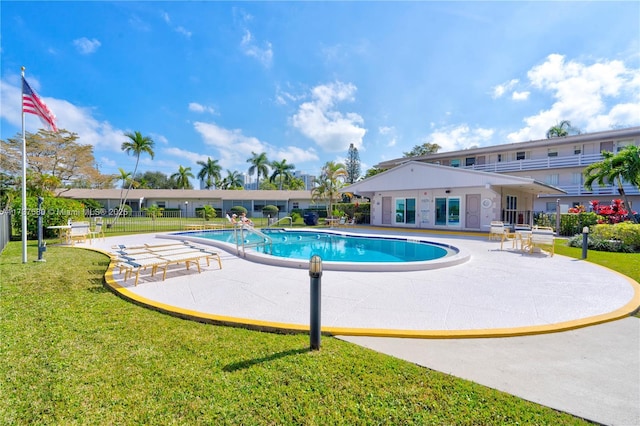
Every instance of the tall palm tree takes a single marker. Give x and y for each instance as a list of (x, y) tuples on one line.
[(233, 180), (137, 144), (564, 128), (614, 169), (327, 186), (283, 170), (182, 177), (259, 165), (210, 172)]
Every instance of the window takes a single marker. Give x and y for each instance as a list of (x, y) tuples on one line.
[(551, 207), (576, 178), (406, 210), (511, 209), (577, 150), (521, 155), (455, 163), (621, 144), (448, 211), (161, 204), (295, 205), (469, 161), (499, 158), (552, 152), (552, 179)]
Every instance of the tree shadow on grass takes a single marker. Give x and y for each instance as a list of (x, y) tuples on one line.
[(251, 362)]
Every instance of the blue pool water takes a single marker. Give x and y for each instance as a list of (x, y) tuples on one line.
[(333, 247)]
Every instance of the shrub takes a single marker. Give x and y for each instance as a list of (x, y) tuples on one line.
[(207, 212), (621, 237), (238, 210), (270, 210), (57, 211)]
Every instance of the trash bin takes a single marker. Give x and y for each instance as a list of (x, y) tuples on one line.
[(310, 218)]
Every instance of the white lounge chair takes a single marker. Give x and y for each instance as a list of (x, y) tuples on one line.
[(496, 230), (79, 232)]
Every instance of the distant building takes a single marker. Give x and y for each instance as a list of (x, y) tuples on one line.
[(306, 178), (188, 200)]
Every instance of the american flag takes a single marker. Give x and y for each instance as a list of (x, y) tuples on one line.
[(32, 104)]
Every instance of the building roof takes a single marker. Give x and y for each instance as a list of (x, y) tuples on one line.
[(631, 132), (183, 194), (416, 175)]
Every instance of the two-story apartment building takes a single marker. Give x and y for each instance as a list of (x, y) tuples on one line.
[(558, 162)]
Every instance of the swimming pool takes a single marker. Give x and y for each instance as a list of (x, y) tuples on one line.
[(338, 250)]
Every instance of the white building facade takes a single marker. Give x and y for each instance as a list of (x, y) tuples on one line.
[(557, 162)]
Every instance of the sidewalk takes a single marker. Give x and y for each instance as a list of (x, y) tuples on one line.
[(591, 372)]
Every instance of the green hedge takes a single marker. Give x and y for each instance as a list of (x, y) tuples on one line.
[(620, 237), (57, 211)]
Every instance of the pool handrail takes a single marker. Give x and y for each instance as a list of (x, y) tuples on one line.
[(286, 217), (266, 240)]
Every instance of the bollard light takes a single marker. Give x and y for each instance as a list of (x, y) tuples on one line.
[(315, 272), (585, 241), (315, 266)]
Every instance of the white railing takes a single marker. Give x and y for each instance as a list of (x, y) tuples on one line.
[(538, 164), (609, 190)]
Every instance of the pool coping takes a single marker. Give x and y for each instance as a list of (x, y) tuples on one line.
[(459, 257)]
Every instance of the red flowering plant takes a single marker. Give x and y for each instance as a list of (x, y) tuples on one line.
[(577, 209), (613, 213)]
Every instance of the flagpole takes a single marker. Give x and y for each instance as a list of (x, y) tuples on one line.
[(24, 179)]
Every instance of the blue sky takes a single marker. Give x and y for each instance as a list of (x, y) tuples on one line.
[(302, 80)]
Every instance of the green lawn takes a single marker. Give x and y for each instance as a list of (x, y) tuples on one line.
[(74, 353)]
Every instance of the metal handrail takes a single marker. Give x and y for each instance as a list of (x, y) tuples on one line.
[(240, 242), (286, 217)]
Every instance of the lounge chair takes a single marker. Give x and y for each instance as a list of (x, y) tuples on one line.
[(79, 232), (496, 230), (97, 230), (541, 238)]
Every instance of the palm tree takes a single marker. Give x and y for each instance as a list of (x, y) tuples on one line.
[(182, 177), (562, 129), (259, 165), (283, 170), (233, 180), (327, 186), (614, 169), (210, 172), (136, 145)]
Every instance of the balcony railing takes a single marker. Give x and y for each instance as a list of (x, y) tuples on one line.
[(538, 164), (597, 191)]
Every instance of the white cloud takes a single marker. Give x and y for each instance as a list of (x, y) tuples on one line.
[(196, 107), (191, 157), (182, 30), (263, 54), (86, 46), (318, 120), (179, 29), (520, 96), (234, 147), (385, 130), (459, 137), (593, 97), (501, 89)]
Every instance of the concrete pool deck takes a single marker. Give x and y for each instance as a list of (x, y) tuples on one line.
[(495, 293), (592, 372)]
